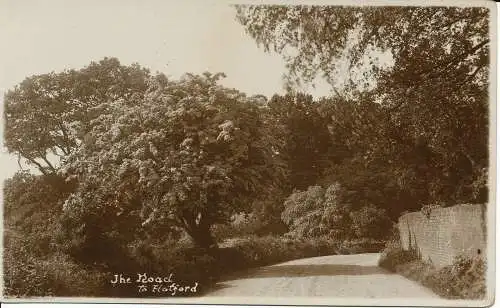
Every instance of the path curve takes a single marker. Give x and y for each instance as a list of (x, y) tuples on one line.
[(353, 276)]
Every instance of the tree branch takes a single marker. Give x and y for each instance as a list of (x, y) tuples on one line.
[(444, 66), (40, 167), (19, 161), (66, 139), (51, 167), (471, 76)]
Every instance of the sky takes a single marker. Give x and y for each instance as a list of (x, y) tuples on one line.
[(172, 37)]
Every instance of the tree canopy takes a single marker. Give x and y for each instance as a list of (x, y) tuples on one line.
[(423, 42), (46, 114), (189, 153)]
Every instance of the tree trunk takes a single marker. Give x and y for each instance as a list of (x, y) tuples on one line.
[(203, 238), (200, 233)]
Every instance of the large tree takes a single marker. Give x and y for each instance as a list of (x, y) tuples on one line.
[(46, 113), (186, 155)]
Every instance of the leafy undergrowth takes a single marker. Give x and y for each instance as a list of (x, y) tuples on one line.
[(29, 275), (464, 279)]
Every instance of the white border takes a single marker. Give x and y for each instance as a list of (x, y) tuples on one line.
[(201, 301)]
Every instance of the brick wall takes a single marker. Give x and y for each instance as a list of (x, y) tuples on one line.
[(445, 232)]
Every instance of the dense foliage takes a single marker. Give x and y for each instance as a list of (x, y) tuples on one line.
[(317, 212), (320, 212), (33, 260), (187, 155), (425, 109)]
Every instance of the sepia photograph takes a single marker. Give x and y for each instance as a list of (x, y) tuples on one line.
[(248, 153)]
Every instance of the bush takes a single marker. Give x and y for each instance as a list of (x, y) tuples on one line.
[(319, 212), (188, 264), (55, 275), (363, 245), (392, 257), (261, 251), (259, 223), (464, 279), (32, 261)]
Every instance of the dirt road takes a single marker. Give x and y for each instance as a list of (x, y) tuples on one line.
[(331, 276)]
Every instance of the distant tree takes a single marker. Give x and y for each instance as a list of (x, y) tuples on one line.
[(47, 114), (317, 212), (188, 154)]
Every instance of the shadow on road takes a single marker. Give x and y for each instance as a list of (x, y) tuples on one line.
[(306, 270), (315, 270)]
